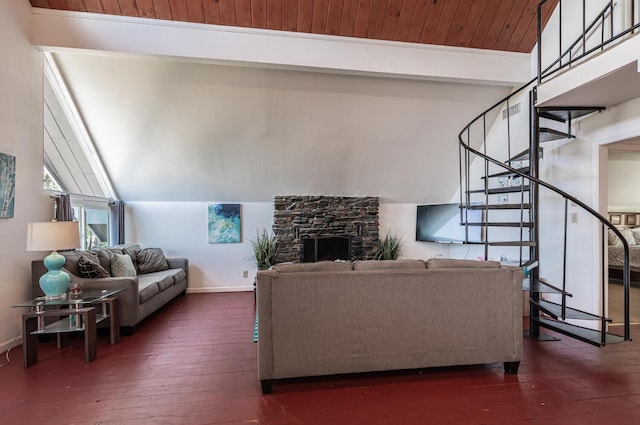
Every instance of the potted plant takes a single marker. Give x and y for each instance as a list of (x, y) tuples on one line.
[(390, 247), (264, 253), (264, 250)]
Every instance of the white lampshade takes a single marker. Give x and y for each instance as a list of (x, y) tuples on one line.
[(53, 235)]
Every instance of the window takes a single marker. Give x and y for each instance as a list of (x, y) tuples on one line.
[(49, 181), (95, 224), (101, 220)]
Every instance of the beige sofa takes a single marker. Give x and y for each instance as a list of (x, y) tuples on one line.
[(151, 288), (340, 317)]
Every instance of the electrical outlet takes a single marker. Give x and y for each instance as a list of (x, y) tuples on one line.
[(245, 274)]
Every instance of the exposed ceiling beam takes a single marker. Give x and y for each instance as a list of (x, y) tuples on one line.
[(55, 30)]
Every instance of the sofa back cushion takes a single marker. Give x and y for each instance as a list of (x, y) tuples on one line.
[(104, 257), (319, 266), (151, 260), (72, 258), (389, 265), (451, 263)]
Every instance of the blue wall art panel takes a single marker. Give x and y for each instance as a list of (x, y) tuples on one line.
[(7, 185), (224, 223)]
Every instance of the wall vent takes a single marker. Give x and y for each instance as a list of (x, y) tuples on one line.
[(511, 111)]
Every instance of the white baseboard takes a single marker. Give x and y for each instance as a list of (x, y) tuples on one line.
[(6, 345), (219, 289)]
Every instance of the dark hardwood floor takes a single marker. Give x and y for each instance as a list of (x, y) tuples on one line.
[(195, 363)]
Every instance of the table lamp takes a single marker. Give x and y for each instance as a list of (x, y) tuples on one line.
[(51, 236)]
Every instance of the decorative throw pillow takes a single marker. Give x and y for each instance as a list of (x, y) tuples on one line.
[(122, 266), (131, 250), (91, 270), (151, 260)]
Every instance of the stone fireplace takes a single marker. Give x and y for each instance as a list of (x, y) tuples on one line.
[(321, 222)]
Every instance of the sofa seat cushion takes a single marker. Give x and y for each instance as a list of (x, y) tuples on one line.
[(163, 279), (147, 289), (179, 275), (389, 265)]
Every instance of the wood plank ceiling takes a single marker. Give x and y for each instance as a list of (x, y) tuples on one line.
[(508, 25)]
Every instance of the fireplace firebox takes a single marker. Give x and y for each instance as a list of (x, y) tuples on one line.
[(328, 248)]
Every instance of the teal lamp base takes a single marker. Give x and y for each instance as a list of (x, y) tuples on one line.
[(55, 282)]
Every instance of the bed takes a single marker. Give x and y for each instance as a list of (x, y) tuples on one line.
[(629, 224)]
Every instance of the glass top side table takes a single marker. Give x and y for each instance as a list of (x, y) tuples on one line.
[(78, 315), (90, 296)]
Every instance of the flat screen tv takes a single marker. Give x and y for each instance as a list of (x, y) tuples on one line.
[(441, 223)]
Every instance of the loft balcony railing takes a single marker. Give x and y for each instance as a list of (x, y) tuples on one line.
[(614, 21)]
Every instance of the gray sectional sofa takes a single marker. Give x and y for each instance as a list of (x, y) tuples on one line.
[(155, 281), (330, 318)]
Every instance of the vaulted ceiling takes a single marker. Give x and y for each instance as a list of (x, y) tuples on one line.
[(508, 25)]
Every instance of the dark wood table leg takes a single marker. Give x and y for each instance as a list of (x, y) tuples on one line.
[(90, 346), (29, 341), (62, 340)]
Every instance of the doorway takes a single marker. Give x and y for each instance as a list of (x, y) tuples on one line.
[(620, 171)]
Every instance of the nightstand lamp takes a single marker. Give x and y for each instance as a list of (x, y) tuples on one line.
[(52, 236)]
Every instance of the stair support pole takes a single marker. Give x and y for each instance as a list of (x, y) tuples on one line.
[(534, 143)]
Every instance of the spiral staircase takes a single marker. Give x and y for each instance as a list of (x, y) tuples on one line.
[(500, 162)]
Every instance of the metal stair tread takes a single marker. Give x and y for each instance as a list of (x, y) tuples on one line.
[(555, 309), (587, 335), (511, 243), (569, 112), (497, 190), (526, 206), (523, 156), (550, 134), (507, 173), (541, 287), (501, 224)]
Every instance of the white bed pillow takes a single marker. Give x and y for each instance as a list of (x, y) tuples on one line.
[(628, 236)]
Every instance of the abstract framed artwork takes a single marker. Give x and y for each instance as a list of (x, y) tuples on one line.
[(7, 185), (224, 223)]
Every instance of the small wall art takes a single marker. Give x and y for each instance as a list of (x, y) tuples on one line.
[(224, 223), (7, 185)]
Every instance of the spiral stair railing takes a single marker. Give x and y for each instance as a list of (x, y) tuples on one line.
[(478, 167)]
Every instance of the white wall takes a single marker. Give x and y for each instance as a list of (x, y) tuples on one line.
[(220, 267), (180, 229), (252, 134), (623, 176), (21, 135)]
